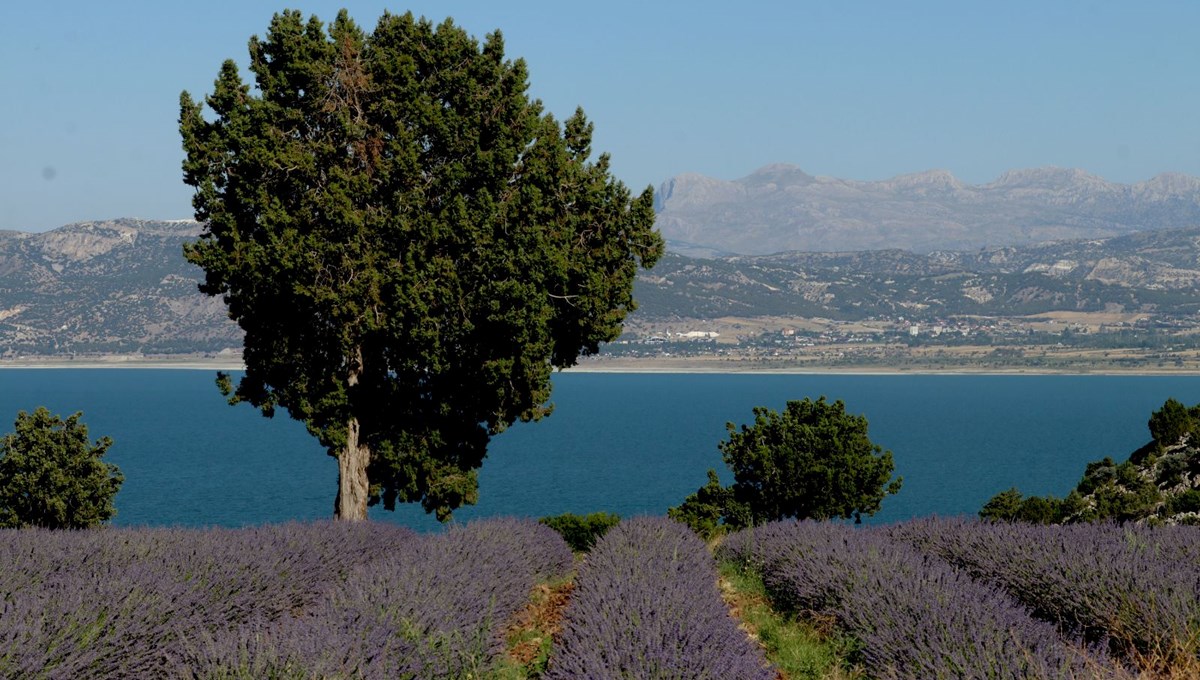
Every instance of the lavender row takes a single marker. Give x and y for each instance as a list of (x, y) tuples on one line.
[(115, 602), (914, 616), (646, 605), (1136, 587), (163, 603), (434, 610)]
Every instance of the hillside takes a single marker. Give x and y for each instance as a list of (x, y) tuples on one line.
[(1158, 483), (123, 287), (1152, 272), (118, 286), (781, 208)]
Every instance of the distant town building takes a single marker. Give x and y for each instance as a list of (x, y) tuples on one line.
[(914, 330)]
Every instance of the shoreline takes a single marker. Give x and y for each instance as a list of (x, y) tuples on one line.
[(117, 361), (629, 366), (884, 371)]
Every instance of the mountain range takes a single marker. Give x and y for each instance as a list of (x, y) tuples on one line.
[(123, 287), (782, 208)]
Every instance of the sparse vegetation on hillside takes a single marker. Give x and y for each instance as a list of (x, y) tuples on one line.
[(1158, 483)]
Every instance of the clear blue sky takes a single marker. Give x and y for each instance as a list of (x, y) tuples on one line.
[(862, 90)]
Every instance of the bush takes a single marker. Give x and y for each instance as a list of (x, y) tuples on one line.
[(1003, 507), (51, 475), (1011, 506), (1188, 501), (581, 531), (704, 510), (813, 461)]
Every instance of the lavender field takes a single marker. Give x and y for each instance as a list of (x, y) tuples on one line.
[(958, 598), (922, 599), (324, 600)]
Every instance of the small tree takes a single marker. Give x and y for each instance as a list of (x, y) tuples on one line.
[(813, 461), (52, 476), (1170, 423)]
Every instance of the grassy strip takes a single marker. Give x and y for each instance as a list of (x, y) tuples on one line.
[(530, 635), (802, 649)]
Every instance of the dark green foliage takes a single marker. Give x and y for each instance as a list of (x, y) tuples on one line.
[(1011, 506), (582, 531), (1170, 467), (1188, 501), (52, 476), (813, 461), (411, 245), (1039, 510), (1003, 507), (1170, 423), (704, 510), (1117, 491)]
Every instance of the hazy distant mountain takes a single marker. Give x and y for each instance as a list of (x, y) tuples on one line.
[(119, 286), (782, 208)]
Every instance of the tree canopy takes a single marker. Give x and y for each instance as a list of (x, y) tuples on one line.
[(812, 461), (1171, 422), (409, 242), (53, 476)]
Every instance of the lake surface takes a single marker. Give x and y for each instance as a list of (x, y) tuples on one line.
[(625, 443)]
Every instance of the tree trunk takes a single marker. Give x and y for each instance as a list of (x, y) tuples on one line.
[(353, 485)]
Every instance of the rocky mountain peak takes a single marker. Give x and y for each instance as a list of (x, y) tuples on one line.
[(780, 175), (1169, 184), (930, 179), (1050, 177)]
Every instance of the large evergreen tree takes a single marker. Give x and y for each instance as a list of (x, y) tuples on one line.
[(409, 242)]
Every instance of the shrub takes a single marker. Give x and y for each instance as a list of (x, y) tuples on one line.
[(581, 531), (52, 476), (1188, 501)]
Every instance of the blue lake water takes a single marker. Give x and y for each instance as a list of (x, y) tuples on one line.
[(625, 443)]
